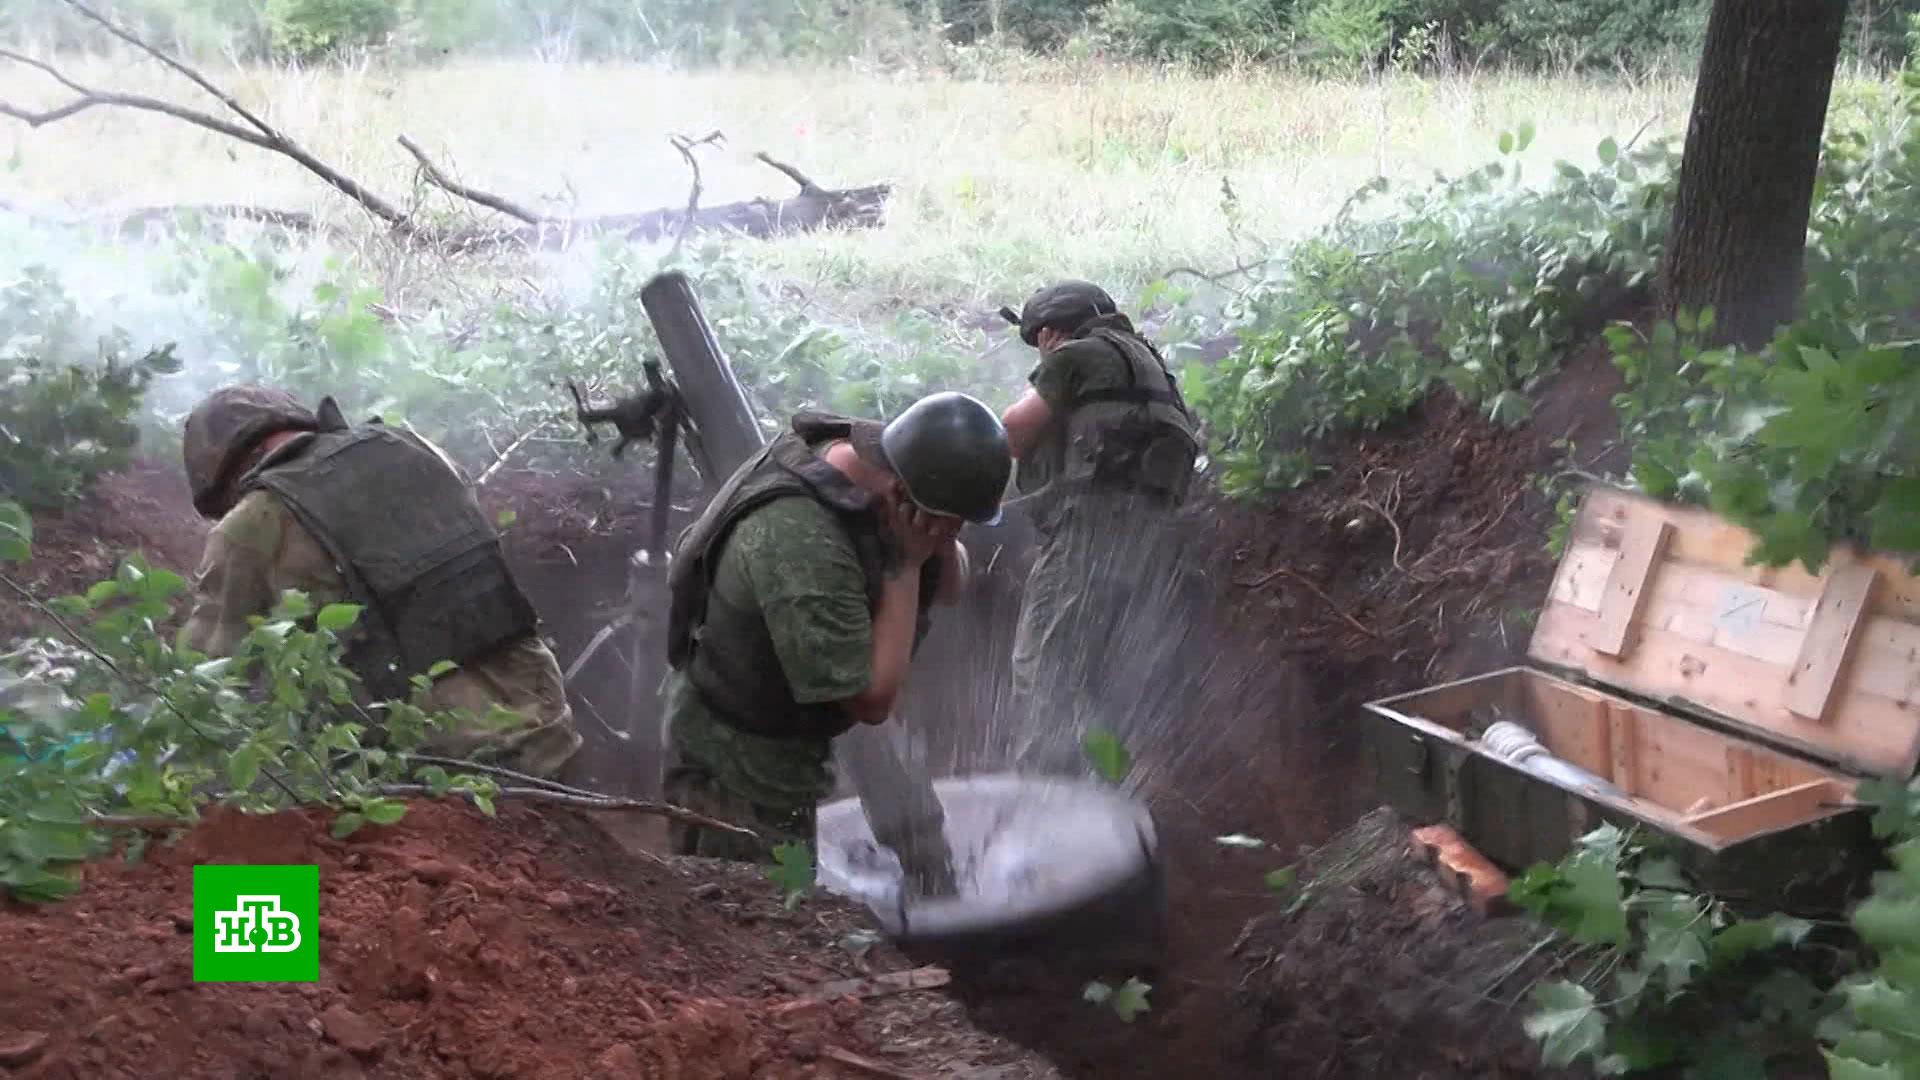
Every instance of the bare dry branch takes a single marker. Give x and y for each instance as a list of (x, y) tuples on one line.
[(595, 802), (807, 186), (265, 137), (686, 147), (473, 195)]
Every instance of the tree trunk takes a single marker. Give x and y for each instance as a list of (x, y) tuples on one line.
[(1739, 236)]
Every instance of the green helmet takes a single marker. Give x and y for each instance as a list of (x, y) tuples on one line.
[(951, 452), (224, 428), (1065, 306)]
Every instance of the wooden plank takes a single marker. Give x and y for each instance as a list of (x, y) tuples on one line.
[(1867, 732), (1772, 811), (1703, 539), (1830, 639), (1572, 722), (1641, 551), (1623, 747)]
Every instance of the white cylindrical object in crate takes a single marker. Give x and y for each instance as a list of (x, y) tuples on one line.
[(1509, 740)]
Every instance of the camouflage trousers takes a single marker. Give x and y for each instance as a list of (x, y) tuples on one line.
[(1105, 614), (694, 788)]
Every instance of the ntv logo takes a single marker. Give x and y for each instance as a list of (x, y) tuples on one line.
[(256, 924)]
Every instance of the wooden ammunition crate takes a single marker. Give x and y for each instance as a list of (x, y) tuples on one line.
[(1732, 708)]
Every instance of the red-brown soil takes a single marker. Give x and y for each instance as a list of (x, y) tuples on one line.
[(1331, 604), (454, 946)]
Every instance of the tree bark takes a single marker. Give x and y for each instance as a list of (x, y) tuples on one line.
[(1739, 235)]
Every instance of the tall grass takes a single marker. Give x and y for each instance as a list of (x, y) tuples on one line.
[(1104, 171)]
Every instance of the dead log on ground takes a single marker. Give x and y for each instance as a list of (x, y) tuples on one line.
[(814, 207)]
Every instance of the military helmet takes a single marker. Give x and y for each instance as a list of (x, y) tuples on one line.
[(224, 428), (1065, 306), (951, 452)]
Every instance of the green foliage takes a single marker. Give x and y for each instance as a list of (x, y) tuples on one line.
[(1809, 441), (1476, 282), (132, 725), (1127, 1001), (68, 411), (1108, 755), (1672, 980), (1877, 1032), (792, 871), (309, 29), (1556, 34)]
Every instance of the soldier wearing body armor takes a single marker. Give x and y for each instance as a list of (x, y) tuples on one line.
[(1106, 450), (798, 600), (378, 517)]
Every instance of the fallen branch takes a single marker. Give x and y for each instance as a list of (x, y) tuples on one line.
[(262, 135), (589, 802), (813, 208), (473, 195)]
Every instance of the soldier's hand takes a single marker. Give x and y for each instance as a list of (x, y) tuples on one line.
[(921, 534)]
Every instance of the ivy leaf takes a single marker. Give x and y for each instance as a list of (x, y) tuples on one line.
[(440, 667), (1661, 873), (384, 811), (1593, 899), (337, 617), (1565, 1022), (792, 871), (1506, 142), (1742, 939), (1108, 755), (347, 824), (1524, 136), (1676, 939), (1130, 1000), (1097, 993), (1281, 880), (1609, 151)]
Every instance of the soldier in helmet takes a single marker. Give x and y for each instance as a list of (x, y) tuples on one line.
[(799, 598), (379, 517), (1106, 450)]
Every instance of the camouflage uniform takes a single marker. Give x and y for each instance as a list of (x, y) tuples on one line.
[(257, 550), (794, 556), (1104, 610)]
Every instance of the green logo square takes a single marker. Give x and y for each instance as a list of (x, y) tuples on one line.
[(256, 924)]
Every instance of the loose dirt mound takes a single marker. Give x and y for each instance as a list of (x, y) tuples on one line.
[(1377, 946), (452, 946)]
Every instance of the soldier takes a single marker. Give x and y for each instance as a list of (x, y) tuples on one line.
[(1106, 450), (379, 517), (798, 600)]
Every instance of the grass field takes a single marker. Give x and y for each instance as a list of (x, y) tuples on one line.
[(1116, 176)]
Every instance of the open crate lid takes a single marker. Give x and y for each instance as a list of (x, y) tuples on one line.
[(1658, 600)]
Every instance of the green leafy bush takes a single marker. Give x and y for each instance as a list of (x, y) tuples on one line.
[(1668, 978), (131, 725), (65, 416), (1808, 441), (309, 29), (1479, 283)]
